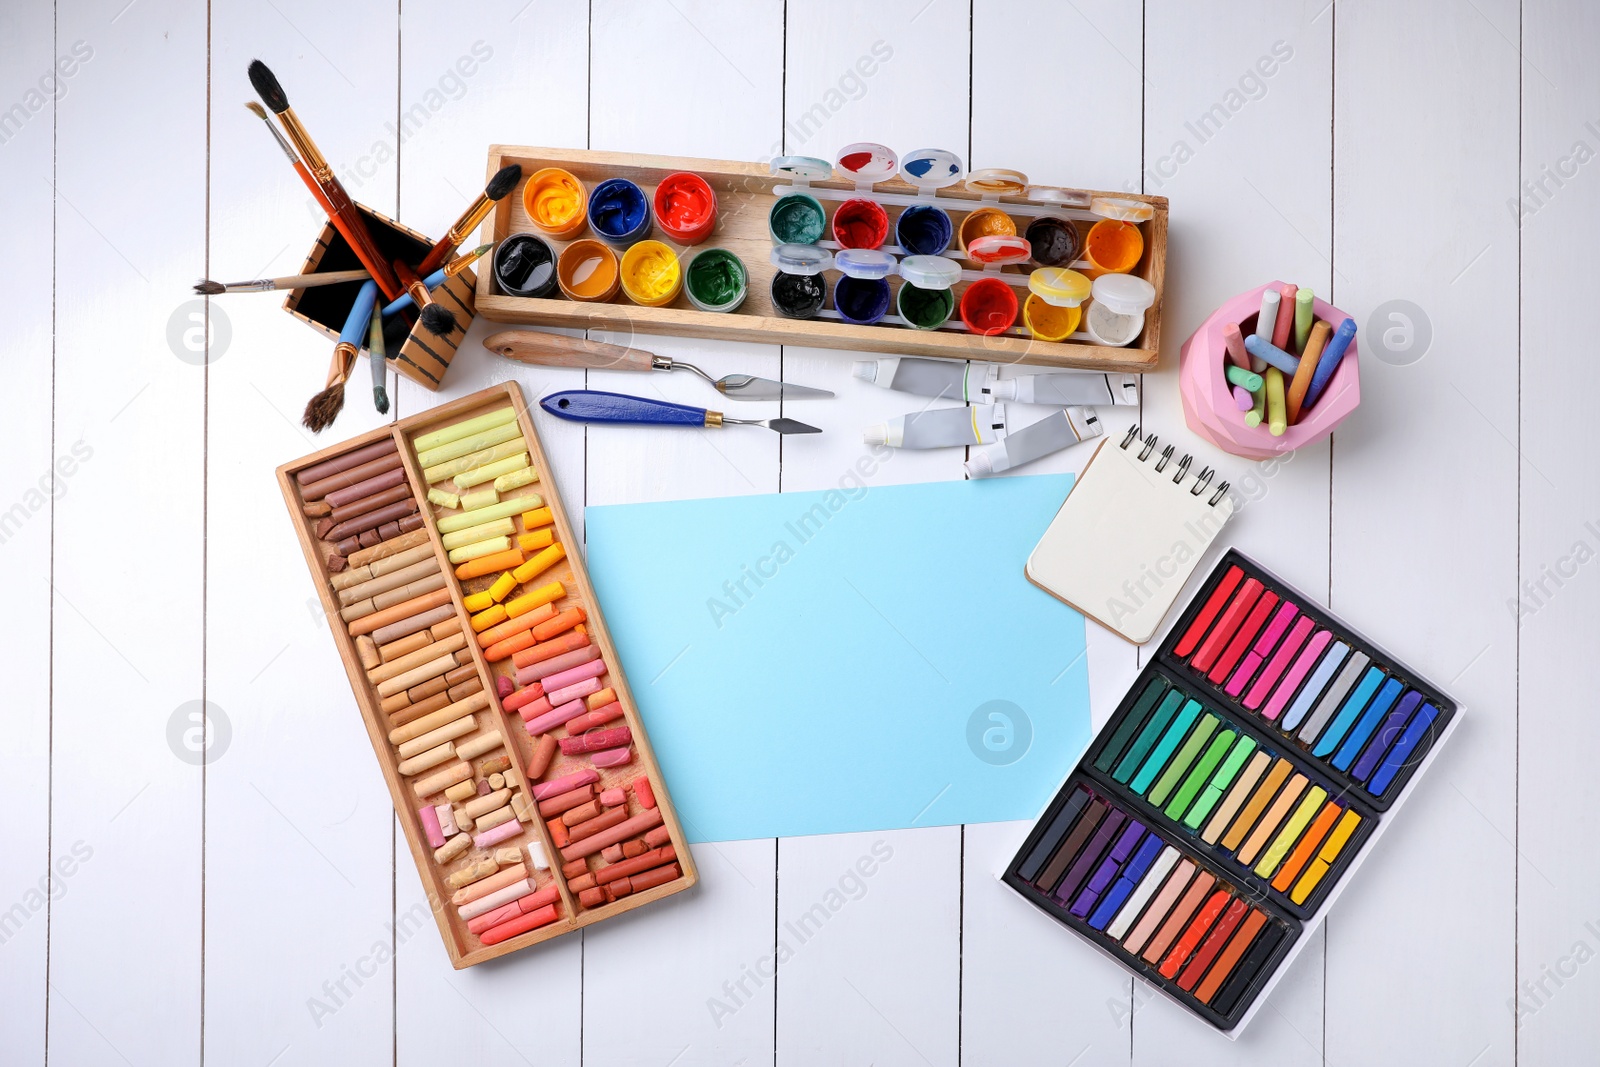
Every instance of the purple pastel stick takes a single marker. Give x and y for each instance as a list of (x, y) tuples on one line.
[(1108, 869), (1391, 728), (1086, 859), (1242, 398)]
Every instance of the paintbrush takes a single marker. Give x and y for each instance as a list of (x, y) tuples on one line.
[(434, 318), (341, 210), (323, 408), (207, 287), (504, 180), (380, 369), (300, 168), (437, 278)]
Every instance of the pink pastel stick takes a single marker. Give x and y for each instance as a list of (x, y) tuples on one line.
[(612, 757), (565, 784), (1291, 681), (1280, 328), (551, 719), (612, 798), (504, 832), (521, 698), (430, 826), (1269, 637), (555, 664), (575, 691), (1234, 341), (1280, 660), (593, 669), (1242, 398), (504, 913)]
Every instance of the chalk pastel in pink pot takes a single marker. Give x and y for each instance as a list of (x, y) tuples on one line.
[(1209, 402)]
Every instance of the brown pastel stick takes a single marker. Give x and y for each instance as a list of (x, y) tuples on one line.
[(404, 610), (582, 813), (353, 476), (410, 590), (460, 674), (652, 878), (425, 653), (550, 807), (580, 883), (404, 647), (544, 750), (338, 464), (658, 837), (411, 522), (653, 858), (415, 623), (401, 560), (373, 520), (397, 702), (336, 563), (442, 779), (462, 690), (424, 690), (387, 480), (575, 869), (417, 709), (365, 505), (592, 898), (599, 824), (449, 713), (367, 649), (404, 543), (422, 672), (316, 510), (619, 888), (633, 848)]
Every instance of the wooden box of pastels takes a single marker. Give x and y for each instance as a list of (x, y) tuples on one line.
[(492, 693), (869, 254), (1223, 807)]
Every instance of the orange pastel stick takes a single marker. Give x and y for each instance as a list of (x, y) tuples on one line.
[(537, 517), (1307, 846), (538, 539), (528, 620), (560, 624), (596, 701), (520, 925), (654, 877), (1191, 937), (545, 650), (1308, 365), (495, 561), (509, 647)]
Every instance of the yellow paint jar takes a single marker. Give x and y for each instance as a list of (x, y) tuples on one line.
[(986, 222), (556, 202), (1054, 307), (651, 274), (588, 271)]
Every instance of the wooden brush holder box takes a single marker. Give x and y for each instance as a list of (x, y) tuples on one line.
[(423, 357)]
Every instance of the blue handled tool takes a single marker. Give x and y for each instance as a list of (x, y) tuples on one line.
[(591, 405)]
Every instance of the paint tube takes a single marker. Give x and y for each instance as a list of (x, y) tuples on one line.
[(946, 378), (1068, 387), (1056, 431), (980, 424)]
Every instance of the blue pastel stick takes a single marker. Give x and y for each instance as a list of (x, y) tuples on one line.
[(1108, 869), (1347, 714), (356, 323), (1132, 875), (1391, 729), (1313, 688), (1331, 355), (1402, 748), (1268, 352), (1367, 723), (432, 281)]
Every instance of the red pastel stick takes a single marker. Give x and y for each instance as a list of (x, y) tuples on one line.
[(1241, 640), (1238, 608), (1208, 614), (1191, 937), (1285, 319), (1213, 945)]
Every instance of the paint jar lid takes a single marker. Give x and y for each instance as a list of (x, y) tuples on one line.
[(1054, 194), (930, 272), (996, 181), (801, 259), (931, 168), (1059, 286), (998, 249), (1124, 294), (1115, 207), (866, 163), (868, 264), (802, 169)]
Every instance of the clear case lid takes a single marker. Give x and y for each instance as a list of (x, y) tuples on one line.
[(1124, 294), (996, 181), (802, 170), (868, 264), (1055, 194), (801, 259), (931, 168), (1115, 207), (1059, 286), (930, 272), (866, 162), (999, 249)]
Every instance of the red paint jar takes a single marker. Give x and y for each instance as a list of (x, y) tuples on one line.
[(686, 208), (860, 223), (989, 306)]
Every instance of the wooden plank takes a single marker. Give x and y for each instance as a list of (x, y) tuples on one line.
[(30, 481), (1554, 1003), (126, 629), (1456, 459), (1027, 991), (441, 167), (684, 952)]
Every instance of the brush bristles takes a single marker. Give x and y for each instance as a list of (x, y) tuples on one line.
[(380, 399), (437, 320), (256, 109), (267, 87), (207, 287), (323, 408), (504, 181)]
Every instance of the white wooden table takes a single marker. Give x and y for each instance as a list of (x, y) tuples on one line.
[(257, 907)]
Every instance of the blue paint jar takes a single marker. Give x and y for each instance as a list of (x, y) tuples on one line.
[(861, 296), (619, 212)]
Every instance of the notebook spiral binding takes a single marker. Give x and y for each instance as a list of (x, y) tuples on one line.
[(1201, 480)]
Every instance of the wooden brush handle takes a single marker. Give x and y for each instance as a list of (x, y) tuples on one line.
[(347, 220), (554, 350)]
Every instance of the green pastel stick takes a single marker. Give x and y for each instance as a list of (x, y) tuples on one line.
[(1197, 777), (1184, 759), (1152, 732), (1135, 718), (1249, 379), (1302, 319), (1219, 784), (1166, 746)]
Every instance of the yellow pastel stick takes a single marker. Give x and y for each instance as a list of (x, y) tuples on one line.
[(502, 585), (539, 564), (528, 542), (456, 431), (1277, 410)]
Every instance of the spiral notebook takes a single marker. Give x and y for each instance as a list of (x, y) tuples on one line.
[(1130, 533)]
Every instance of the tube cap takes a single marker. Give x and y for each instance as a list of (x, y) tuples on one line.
[(980, 465), (1059, 286), (868, 264), (930, 272), (867, 161), (804, 168), (865, 369), (998, 249), (1054, 194), (1116, 207), (931, 168), (876, 434), (996, 181), (801, 259), (1125, 294)]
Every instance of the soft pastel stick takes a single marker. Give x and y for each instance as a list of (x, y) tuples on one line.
[(1326, 857), (1087, 860), (1030, 867), (1329, 361), (1130, 724), (1244, 378), (1219, 782), (1257, 804), (1307, 846), (1208, 614), (1233, 340), (1284, 323), (1303, 313), (1171, 889), (1203, 769), (1242, 788), (1183, 760), (1279, 662), (1169, 743), (1265, 643), (1271, 354), (1243, 974), (1357, 738), (1277, 412), (1190, 940), (1237, 609), (1348, 712), (1212, 945), (1229, 960), (1386, 735), (1314, 687), (1100, 881), (1135, 870), (1180, 916), (1396, 757), (1271, 819), (1309, 806), (1148, 884), (1241, 640), (1148, 737), (1267, 321), (1242, 398), (1309, 354)]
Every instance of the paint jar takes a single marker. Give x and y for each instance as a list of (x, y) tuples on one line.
[(651, 275), (555, 202), (799, 288), (801, 170), (925, 300), (587, 270), (619, 212), (861, 296), (923, 230), (1055, 303), (1056, 242), (860, 223), (866, 163), (989, 305), (1115, 245), (985, 222), (797, 219), (686, 207), (716, 280), (1117, 314), (525, 266)]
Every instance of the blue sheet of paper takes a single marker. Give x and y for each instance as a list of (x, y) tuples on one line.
[(846, 660)]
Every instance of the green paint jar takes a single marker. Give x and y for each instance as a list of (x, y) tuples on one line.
[(925, 300), (716, 280), (797, 219)]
